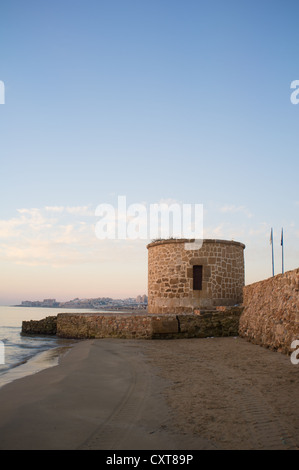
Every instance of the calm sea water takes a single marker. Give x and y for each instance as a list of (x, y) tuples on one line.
[(24, 355)]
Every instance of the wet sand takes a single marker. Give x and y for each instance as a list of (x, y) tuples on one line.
[(215, 393)]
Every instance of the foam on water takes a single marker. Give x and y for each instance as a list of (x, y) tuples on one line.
[(26, 355)]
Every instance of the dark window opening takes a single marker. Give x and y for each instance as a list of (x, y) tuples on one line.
[(197, 277)]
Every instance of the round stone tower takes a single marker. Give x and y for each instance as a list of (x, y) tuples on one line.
[(181, 280)]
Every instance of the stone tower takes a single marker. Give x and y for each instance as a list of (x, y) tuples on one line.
[(181, 281)]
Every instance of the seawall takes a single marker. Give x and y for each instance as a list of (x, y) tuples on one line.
[(142, 326), (46, 326), (271, 312)]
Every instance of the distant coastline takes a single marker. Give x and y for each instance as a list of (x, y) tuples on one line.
[(100, 303)]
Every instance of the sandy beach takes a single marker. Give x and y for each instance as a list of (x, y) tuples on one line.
[(214, 393)]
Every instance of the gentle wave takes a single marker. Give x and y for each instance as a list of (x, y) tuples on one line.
[(27, 354)]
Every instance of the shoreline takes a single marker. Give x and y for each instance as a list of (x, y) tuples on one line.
[(36, 363), (101, 395), (188, 394), (89, 309)]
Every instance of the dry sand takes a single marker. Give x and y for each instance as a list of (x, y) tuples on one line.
[(214, 393)]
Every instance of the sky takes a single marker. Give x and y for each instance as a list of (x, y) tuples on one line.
[(156, 101)]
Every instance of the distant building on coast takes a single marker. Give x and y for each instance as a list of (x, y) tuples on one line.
[(49, 302), (45, 303), (141, 299), (100, 303)]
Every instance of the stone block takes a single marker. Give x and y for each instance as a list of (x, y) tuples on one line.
[(165, 325)]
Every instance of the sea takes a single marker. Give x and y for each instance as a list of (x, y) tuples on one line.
[(25, 355)]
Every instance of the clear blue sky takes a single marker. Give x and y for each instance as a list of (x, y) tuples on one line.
[(155, 100)]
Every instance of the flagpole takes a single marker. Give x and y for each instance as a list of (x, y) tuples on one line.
[(282, 252), (271, 241)]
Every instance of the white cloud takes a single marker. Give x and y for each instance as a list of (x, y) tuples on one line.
[(80, 210), (217, 231), (75, 210), (54, 208), (8, 228), (35, 238), (231, 208)]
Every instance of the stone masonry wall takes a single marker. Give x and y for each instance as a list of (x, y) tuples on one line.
[(96, 325), (271, 312), (216, 323), (170, 275), (210, 324), (46, 326), (89, 325)]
